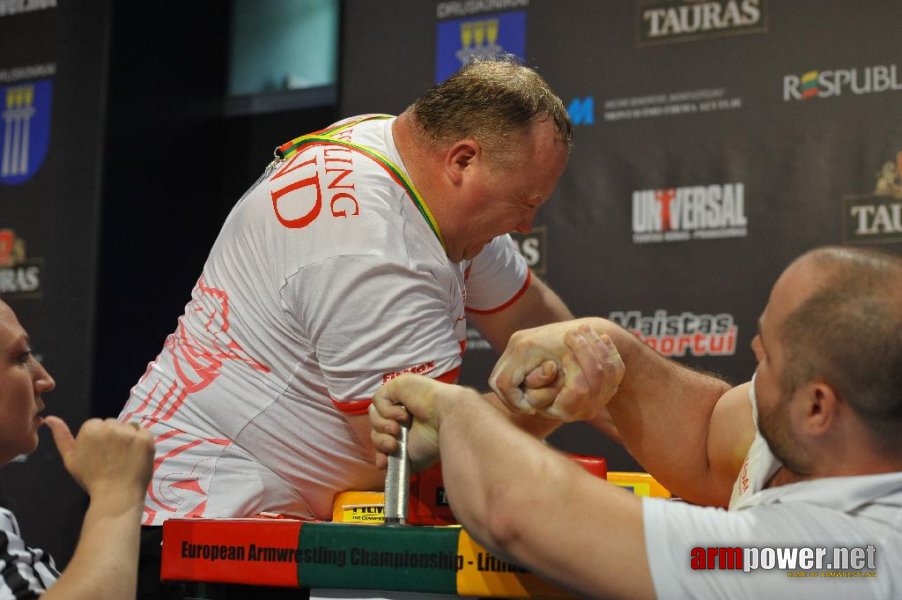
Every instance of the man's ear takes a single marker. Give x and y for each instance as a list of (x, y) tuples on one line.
[(460, 157), (821, 407)]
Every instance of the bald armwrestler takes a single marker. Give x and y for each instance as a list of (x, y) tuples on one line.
[(807, 455)]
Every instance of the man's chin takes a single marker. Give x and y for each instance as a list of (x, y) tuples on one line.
[(473, 251)]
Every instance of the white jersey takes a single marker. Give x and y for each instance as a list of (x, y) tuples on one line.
[(328, 278), (863, 512)]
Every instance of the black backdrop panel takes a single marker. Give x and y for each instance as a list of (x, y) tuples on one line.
[(48, 219), (708, 152)]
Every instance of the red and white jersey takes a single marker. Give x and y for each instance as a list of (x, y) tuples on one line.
[(327, 279)]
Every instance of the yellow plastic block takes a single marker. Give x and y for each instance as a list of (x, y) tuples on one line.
[(363, 508), (641, 484)]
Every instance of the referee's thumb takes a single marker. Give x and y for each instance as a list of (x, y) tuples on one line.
[(62, 435)]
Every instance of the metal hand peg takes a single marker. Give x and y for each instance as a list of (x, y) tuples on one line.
[(397, 482)]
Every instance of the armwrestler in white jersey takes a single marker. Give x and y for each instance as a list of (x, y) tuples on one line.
[(359, 255)]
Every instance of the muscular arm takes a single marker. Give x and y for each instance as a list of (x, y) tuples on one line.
[(538, 305), (689, 430), (524, 500)]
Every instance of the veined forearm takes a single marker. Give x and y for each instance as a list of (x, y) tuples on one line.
[(528, 502), (662, 412)]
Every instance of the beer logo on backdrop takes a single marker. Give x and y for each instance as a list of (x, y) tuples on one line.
[(689, 213), (829, 83), (681, 20), (876, 218), (679, 335), (532, 246), (20, 277), (24, 130), (487, 36), (14, 7)]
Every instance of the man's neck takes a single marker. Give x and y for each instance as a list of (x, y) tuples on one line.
[(424, 167)]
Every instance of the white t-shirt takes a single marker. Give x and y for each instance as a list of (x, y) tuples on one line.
[(327, 279), (24, 572), (850, 512)]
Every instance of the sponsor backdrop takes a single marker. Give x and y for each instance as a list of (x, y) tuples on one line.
[(51, 100), (715, 140)]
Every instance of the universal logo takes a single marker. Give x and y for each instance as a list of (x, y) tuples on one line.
[(532, 246), (689, 213), (683, 20), (876, 218), (20, 277)]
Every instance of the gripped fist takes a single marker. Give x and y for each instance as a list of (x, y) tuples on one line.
[(399, 400), (565, 371), (107, 457)]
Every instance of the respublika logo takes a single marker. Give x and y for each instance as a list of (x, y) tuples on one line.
[(876, 218), (25, 129), (677, 335), (678, 20), (486, 36), (684, 213), (20, 277), (830, 83)]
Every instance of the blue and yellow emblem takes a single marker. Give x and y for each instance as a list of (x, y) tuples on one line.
[(486, 36), (24, 129)]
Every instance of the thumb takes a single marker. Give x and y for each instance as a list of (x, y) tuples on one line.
[(62, 436), (542, 376)]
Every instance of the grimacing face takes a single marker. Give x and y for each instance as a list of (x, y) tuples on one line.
[(22, 381), (504, 199)]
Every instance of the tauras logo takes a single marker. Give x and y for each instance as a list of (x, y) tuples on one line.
[(675, 335), (693, 212), (877, 217), (875, 79), (532, 246), (19, 277), (689, 19)]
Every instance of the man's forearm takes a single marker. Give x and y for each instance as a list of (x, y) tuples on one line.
[(528, 502), (662, 411), (536, 426), (105, 562), (538, 305)]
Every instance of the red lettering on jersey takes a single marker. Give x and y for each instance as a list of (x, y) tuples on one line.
[(298, 186), (416, 369), (349, 199)]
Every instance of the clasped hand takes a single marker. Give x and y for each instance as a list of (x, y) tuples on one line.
[(565, 371)]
